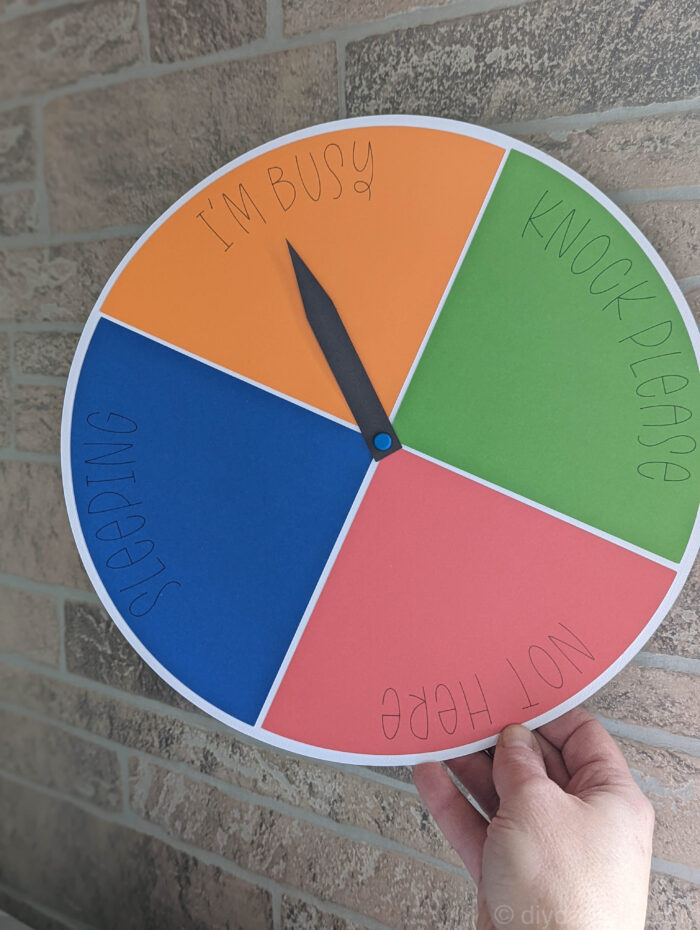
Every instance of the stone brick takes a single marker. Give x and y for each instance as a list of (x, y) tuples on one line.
[(56, 284), (38, 418), (17, 7), (654, 152), (36, 541), (119, 155), (310, 15), (29, 625), (45, 353), (47, 756), (673, 228), (17, 154), (529, 61), (671, 781), (22, 910), (95, 648), (19, 213), (62, 45), (107, 875), (5, 391), (382, 884), (673, 904), (679, 633), (182, 30), (321, 788), (300, 915), (651, 697)]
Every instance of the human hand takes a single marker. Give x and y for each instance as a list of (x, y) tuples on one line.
[(568, 845)]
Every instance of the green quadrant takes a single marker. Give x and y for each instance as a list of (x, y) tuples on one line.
[(561, 369)]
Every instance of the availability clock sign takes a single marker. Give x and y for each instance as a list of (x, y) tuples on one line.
[(385, 436)]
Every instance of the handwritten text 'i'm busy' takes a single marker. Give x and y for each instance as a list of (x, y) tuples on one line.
[(325, 171)]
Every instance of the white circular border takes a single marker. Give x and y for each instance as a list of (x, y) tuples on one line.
[(259, 733)]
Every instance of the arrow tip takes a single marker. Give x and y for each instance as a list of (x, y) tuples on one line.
[(300, 269), (292, 251)]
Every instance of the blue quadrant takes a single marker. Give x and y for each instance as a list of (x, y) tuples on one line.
[(209, 508)]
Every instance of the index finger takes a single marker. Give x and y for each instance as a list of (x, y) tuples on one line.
[(586, 745)]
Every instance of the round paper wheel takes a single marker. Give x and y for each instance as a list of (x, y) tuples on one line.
[(540, 369)]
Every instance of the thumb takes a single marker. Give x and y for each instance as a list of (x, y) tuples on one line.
[(518, 763)]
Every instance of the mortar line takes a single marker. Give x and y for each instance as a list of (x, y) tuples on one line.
[(42, 195), (336, 910), (419, 16), (11, 454), (42, 6), (340, 70), (676, 870), (86, 736), (681, 193), (689, 284), (276, 903), (63, 326), (41, 380), (60, 611), (43, 908), (391, 782), (562, 124), (144, 32), (17, 187), (468, 6), (274, 21), (50, 590), (12, 378), (137, 824), (33, 240), (123, 754), (688, 666), (649, 736)]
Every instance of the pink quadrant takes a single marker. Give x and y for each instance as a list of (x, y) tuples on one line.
[(453, 610)]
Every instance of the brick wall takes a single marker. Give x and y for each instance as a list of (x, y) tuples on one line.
[(121, 806)]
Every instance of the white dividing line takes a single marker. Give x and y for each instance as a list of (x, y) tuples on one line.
[(233, 374), (456, 268), (652, 556), (344, 530)]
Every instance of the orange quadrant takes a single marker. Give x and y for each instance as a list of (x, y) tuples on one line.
[(453, 610), (380, 215)]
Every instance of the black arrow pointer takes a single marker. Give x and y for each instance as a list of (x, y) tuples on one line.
[(345, 363)]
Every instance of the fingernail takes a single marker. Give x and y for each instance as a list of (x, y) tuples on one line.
[(515, 735)]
